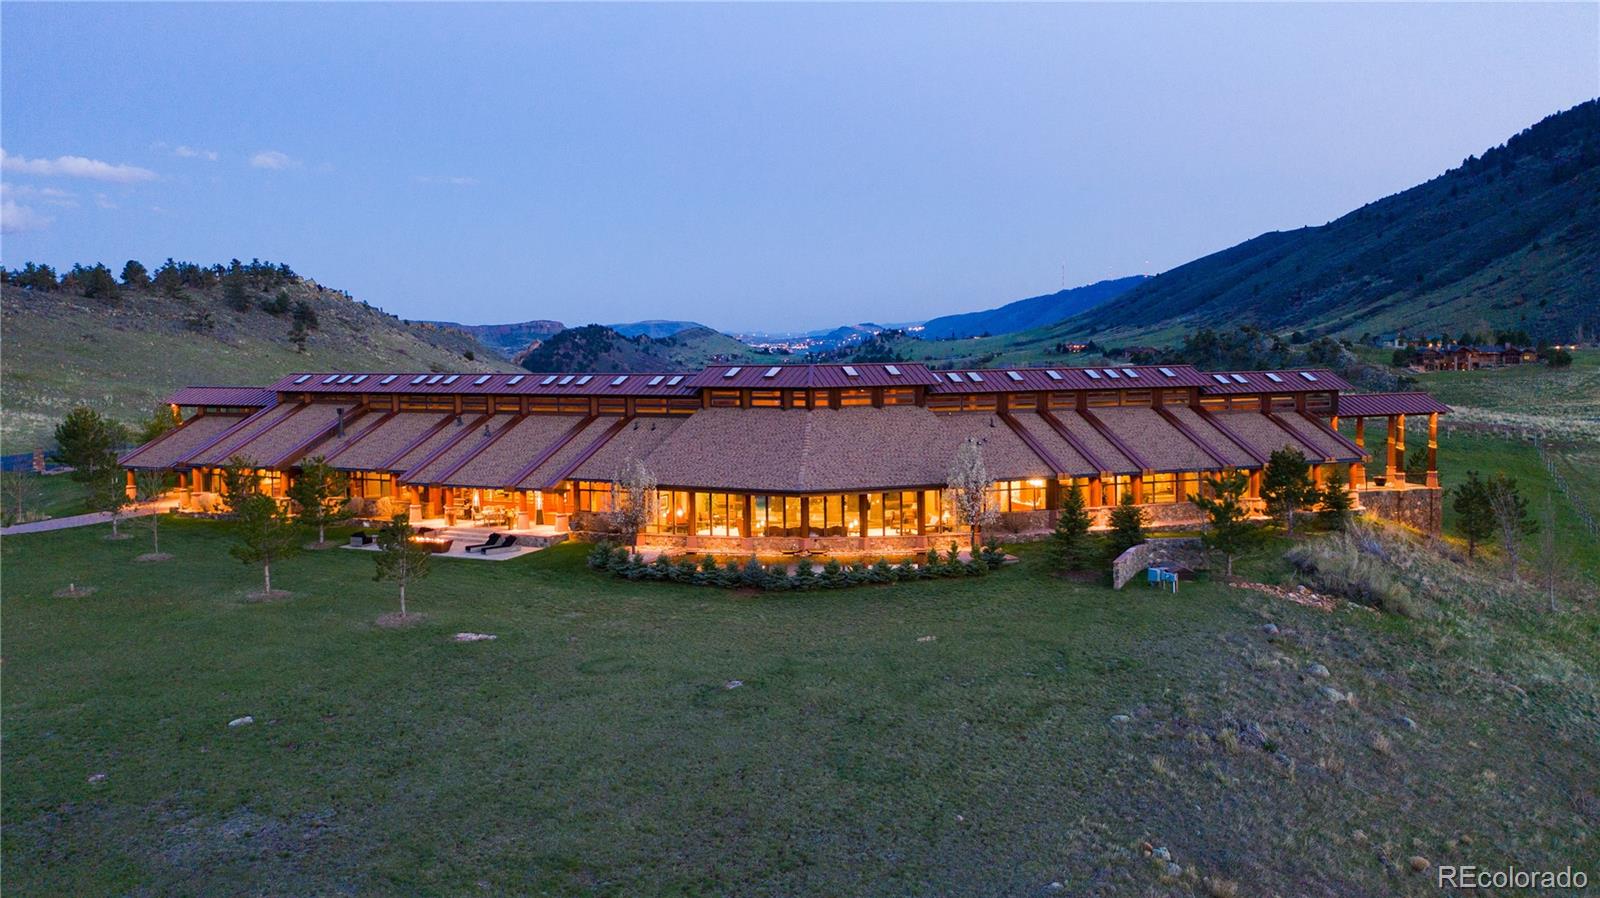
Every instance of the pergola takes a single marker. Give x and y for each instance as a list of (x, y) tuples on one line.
[(1394, 407)]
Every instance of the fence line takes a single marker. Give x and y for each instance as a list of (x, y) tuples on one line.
[(1566, 489)]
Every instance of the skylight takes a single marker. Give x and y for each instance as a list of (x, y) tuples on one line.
[(1131, 373), (452, 378), (1112, 373), (359, 378), (851, 372), (565, 380), (302, 378), (1014, 375), (584, 379), (435, 379), (482, 379), (515, 380), (1274, 378), (954, 377), (548, 381), (656, 380), (330, 378), (676, 378), (617, 381), (347, 378), (893, 371), (388, 378), (1220, 378), (1166, 372), (1309, 376), (771, 372), (1053, 374), (975, 377), (1093, 374), (1239, 378), (731, 372), (418, 379)]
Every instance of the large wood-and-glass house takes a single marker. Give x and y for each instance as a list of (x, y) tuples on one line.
[(828, 457)]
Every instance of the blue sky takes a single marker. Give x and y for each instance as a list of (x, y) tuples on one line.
[(746, 166)]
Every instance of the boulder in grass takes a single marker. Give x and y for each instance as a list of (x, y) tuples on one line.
[(474, 637), (241, 721)]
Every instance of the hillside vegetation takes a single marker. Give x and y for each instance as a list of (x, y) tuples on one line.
[(508, 340), (595, 347), (1036, 311), (123, 354), (1508, 240)]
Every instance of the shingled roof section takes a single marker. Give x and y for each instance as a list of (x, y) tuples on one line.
[(434, 470), (1214, 438), (1259, 431), (366, 448), (830, 450), (230, 446), (164, 451), (638, 440), (1095, 442), (800, 377), (1055, 444), (1312, 432), (496, 464), (1153, 437), (1357, 405)]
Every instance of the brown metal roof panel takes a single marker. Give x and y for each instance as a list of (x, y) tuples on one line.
[(165, 451), (1163, 446), (477, 383), (796, 377), (1374, 404), (1038, 379), (238, 397), (496, 464), (1289, 380)]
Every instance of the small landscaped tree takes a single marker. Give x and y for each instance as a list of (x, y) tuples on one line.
[(399, 558), (87, 441), (1336, 502), (1511, 518), (1286, 485), (633, 500), (1071, 548), (1552, 563), (318, 494), (239, 481), (160, 421), (108, 494), (1474, 515), (19, 497), (970, 485), (1127, 525), (149, 486), (263, 533), (1228, 530)]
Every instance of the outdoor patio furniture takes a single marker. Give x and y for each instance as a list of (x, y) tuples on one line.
[(361, 538), (492, 542), (509, 542)]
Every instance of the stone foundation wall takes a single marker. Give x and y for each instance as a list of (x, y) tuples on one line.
[(1185, 551), (1419, 508)]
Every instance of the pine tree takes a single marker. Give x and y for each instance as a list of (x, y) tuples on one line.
[(87, 441), (264, 534), (318, 493), (1286, 485), (399, 558), (1229, 530), (135, 276), (1070, 545), (1474, 515), (108, 494), (239, 481), (1127, 525), (1336, 502), (1510, 512)]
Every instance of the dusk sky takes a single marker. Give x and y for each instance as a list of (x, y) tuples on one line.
[(745, 166)]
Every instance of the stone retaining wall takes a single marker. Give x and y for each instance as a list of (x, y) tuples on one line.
[(1415, 507), (1185, 551)]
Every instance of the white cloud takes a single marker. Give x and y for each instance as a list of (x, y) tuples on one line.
[(50, 196), (75, 167), (452, 180), (14, 218), (192, 153), (273, 160)]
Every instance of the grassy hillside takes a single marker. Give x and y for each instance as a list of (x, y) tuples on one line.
[(60, 349), (959, 737), (509, 340), (1509, 240), (1034, 312), (595, 347)]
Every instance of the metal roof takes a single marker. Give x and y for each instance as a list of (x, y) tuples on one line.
[(1356, 405), (801, 377), (240, 397), (1022, 380), (524, 384), (1287, 380)]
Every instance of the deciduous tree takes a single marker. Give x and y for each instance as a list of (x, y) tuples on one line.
[(1511, 519), (969, 482), (150, 486), (399, 558), (633, 500)]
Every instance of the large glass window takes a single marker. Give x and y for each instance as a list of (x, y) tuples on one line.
[(593, 495), (671, 512), (766, 398), (1161, 488), (938, 515), (899, 396), (1118, 486), (1018, 495), (370, 486), (719, 514), (855, 397)]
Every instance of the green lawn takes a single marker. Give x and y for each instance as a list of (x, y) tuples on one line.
[(594, 747)]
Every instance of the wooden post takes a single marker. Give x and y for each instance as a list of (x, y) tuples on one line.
[(1358, 471), (1138, 490), (1433, 449), (1094, 492), (1400, 446), (1389, 467)]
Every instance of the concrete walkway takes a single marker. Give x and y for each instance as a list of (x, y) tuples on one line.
[(87, 520)]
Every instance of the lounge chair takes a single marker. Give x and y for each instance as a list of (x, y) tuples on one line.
[(360, 538), (507, 542), (492, 543)]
